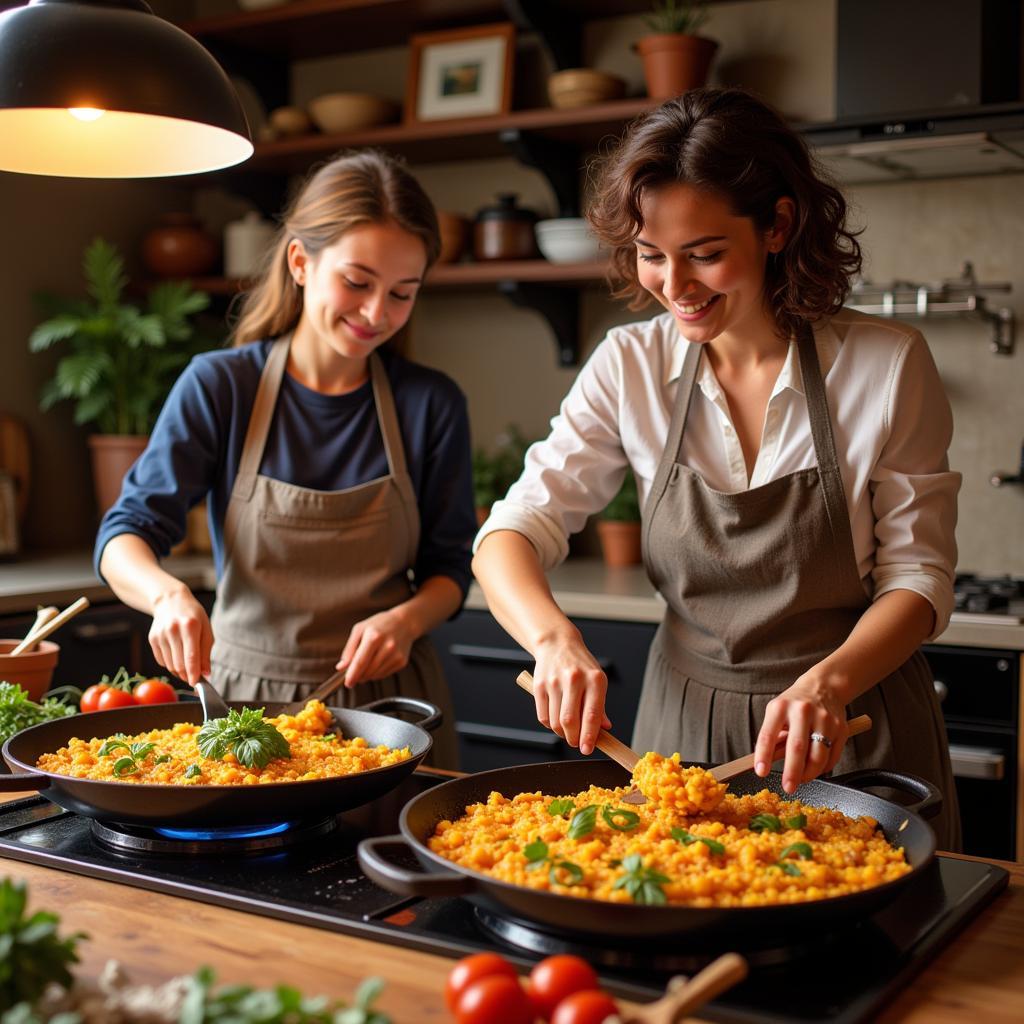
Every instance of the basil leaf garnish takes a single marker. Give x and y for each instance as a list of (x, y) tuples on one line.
[(802, 850), (620, 819), (765, 823), (583, 822), (797, 821), (560, 806), (574, 872)]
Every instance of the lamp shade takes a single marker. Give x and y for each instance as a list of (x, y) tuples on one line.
[(96, 89)]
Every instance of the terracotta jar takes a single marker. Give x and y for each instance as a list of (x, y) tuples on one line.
[(505, 231), (179, 247)]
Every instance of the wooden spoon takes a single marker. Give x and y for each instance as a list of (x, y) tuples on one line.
[(683, 997), (43, 616), (52, 626)]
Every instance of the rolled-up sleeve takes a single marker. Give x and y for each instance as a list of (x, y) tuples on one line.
[(576, 470), (913, 491)]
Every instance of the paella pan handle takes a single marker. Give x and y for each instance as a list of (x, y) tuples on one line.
[(402, 880), (929, 801), (22, 781), (432, 715)]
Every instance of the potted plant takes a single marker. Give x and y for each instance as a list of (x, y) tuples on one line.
[(494, 474), (675, 58), (618, 526), (121, 361)]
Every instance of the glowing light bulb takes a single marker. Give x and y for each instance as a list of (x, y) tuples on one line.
[(85, 113)]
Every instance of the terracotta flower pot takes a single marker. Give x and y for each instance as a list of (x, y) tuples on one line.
[(179, 247), (112, 456), (674, 63), (620, 542), (33, 670)]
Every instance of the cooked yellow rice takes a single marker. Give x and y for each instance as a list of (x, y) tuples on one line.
[(313, 756), (846, 855)]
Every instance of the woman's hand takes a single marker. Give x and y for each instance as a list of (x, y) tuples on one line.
[(810, 705), (377, 647), (569, 688), (181, 637)]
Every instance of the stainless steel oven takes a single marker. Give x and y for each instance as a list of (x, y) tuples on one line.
[(979, 691)]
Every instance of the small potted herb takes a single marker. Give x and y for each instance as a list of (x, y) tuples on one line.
[(675, 58), (618, 526), (494, 473)]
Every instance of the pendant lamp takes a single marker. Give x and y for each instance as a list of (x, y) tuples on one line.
[(106, 89)]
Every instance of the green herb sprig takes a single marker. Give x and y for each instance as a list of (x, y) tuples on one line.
[(560, 872), (560, 807), (687, 838), (765, 823), (797, 821), (132, 760), (17, 712), (643, 884), (583, 822), (254, 741), (619, 818)]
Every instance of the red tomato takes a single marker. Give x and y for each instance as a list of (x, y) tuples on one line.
[(588, 1007), (495, 999), (154, 691), (91, 698), (473, 968), (112, 698), (557, 977)]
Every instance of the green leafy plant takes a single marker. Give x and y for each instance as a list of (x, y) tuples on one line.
[(32, 955), (677, 17), (252, 739), (494, 474), (643, 884), (560, 872), (122, 360), (18, 712), (625, 506)]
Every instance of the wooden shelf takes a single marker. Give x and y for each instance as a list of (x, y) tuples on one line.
[(317, 28)]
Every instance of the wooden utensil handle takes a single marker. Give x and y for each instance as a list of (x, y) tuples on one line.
[(720, 974), (606, 742), (43, 616), (53, 625)]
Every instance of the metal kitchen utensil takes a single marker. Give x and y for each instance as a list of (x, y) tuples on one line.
[(52, 626), (686, 995), (322, 692), (606, 743), (212, 701)]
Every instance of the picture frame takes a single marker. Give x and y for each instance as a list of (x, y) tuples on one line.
[(464, 72)]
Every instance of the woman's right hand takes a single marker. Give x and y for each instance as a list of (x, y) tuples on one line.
[(569, 688), (181, 637)]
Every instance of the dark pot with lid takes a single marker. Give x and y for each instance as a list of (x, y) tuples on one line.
[(505, 231)]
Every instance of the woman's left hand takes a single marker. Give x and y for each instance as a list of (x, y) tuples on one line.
[(809, 706), (377, 647)]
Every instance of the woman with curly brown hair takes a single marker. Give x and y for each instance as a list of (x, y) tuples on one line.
[(798, 508)]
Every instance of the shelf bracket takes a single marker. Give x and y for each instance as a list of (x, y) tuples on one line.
[(559, 162), (559, 306), (560, 37)]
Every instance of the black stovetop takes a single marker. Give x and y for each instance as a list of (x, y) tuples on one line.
[(319, 883)]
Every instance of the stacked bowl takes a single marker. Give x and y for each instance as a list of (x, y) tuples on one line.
[(567, 240)]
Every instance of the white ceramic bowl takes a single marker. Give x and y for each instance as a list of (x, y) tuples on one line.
[(566, 240)]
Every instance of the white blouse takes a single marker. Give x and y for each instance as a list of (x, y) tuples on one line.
[(890, 417)]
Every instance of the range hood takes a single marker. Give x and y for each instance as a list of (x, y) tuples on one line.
[(943, 144)]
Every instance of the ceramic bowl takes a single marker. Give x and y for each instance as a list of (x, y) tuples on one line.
[(567, 240), (33, 670), (290, 121), (337, 112), (580, 87)]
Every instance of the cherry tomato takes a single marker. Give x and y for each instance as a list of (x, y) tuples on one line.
[(154, 691), (557, 977), (91, 698), (495, 999), (587, 1007), (112, 698), (473, 968)]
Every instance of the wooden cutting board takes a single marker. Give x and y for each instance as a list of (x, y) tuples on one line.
[(16, 459)]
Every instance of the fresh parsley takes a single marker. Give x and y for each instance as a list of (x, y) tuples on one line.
[(619, 818), (254, 741), (17, 712), (686, 838), (643, 884), (765, 823), (560, 806)]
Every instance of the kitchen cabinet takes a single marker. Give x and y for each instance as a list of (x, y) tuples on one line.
[(99, 641), (495, 720)]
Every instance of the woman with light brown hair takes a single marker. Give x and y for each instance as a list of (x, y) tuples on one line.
[(797, 505), (337, 473)]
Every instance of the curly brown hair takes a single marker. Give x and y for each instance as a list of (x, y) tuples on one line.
[(730, 143)]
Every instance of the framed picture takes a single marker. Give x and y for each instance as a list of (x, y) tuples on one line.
[(463, 72)]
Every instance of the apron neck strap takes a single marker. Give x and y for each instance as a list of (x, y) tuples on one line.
[(261, 417), (387, 417)]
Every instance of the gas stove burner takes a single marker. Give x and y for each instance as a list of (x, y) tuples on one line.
[(237, 840), (664, 956), (1001, 595)]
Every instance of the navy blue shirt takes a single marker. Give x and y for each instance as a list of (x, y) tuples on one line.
[(323, 442)]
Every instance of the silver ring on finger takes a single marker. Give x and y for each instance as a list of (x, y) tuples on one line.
[(820, 737)]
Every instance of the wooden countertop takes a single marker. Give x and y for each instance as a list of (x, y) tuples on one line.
[(980, 977)]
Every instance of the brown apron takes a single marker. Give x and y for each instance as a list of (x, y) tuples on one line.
[(302, 567), (761, 585)]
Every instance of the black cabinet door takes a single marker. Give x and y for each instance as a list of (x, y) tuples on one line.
[(496, 721)]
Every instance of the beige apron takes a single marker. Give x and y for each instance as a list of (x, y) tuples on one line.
[(761, 585), (302, 567)]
